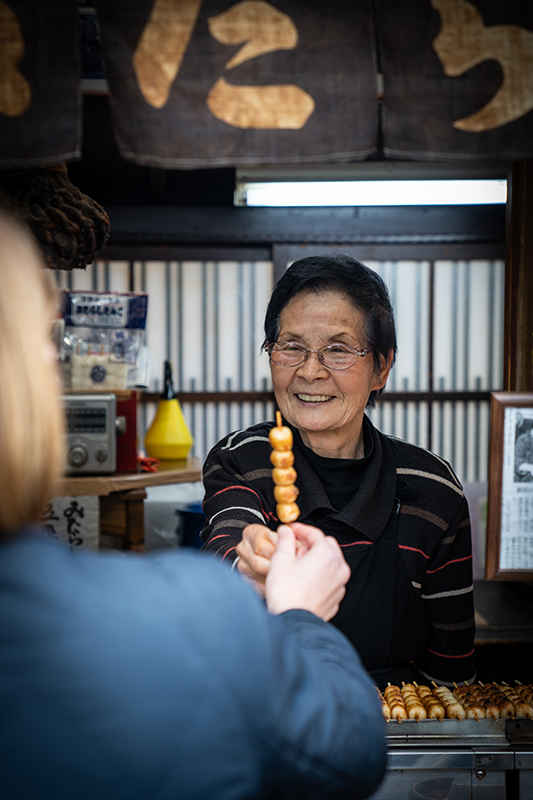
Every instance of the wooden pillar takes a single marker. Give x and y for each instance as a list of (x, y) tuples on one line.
[(518, 318)]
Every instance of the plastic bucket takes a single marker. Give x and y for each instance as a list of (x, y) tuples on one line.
[(193, 520)]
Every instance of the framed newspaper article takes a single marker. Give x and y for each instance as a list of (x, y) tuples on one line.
[(509, 553)]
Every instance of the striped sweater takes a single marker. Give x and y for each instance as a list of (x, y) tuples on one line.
[(433, 529)]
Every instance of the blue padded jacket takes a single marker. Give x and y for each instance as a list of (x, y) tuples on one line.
[(162, 677)]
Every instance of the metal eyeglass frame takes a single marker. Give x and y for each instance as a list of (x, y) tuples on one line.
[(320, 355)]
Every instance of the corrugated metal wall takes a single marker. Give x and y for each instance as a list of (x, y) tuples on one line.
[(207, 317)]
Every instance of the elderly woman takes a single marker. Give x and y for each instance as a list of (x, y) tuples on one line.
[(397, 511)]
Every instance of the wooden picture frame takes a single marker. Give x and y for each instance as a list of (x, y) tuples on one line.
[(509, 553)]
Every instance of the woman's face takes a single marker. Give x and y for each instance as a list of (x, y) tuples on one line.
[(327, 406)]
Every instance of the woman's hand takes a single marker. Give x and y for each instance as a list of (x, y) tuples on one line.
[(255, 550), (312, 577), (257, 547)]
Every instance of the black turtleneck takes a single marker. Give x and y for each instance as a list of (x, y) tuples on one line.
[(340, 477)]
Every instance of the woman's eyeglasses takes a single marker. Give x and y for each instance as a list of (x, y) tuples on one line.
[(332, 356)]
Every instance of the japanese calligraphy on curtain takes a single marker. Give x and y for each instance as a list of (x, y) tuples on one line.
[(207, 83), (458, 78), (39, 83), (218, 83)]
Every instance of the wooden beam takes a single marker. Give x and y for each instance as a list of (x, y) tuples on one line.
[(518, 315), (259, 227)]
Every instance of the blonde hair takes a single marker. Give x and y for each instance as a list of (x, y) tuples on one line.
[(31, 414)]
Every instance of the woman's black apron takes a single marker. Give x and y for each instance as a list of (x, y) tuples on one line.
[(381, 612)]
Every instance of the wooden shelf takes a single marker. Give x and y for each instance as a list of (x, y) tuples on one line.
[(187, 471)]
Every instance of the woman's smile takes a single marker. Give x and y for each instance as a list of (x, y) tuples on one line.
[(313, 398), (326, 405)]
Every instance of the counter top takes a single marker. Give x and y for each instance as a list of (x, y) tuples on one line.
[(187, 471)]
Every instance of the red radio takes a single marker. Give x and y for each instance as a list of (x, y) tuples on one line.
[(127, 431)]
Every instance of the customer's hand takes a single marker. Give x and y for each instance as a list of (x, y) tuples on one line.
[(255, 550), (312, 577)]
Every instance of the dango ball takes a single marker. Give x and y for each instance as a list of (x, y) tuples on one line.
[(280, 438), (282, 458), (287, 512), (285, 494), (283, 477)]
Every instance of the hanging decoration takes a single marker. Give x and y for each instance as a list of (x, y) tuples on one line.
[(70, 227)]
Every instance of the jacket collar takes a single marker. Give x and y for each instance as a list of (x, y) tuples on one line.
[(369, 510)]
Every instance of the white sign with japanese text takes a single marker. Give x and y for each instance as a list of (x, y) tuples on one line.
[(74, 521)]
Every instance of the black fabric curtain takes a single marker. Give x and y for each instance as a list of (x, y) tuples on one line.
[(208, 83), (218, 83), (40, 101), (458, 79)]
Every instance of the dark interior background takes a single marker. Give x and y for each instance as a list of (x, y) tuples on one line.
[(111, 180)]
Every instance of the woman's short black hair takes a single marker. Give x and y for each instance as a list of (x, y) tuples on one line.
[(361, 285)]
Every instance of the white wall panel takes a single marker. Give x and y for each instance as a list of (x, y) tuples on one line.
[(408, 284), (156, 319), (117, 276)]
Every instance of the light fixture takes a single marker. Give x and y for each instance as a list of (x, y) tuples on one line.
[(372, 192)]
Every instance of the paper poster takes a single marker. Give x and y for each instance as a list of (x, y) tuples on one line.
[(74, 521)]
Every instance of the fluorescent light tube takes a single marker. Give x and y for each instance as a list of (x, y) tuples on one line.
[(374, 193)]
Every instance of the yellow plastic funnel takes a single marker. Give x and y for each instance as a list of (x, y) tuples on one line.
[(168, 437)]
